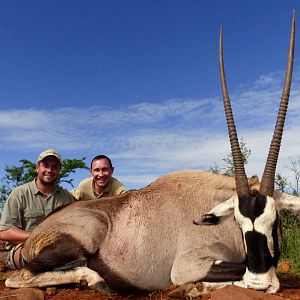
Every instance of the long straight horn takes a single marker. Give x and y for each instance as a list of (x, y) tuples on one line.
[(240, 174), (268, 178)]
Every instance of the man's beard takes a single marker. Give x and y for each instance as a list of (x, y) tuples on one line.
[(53, 181)]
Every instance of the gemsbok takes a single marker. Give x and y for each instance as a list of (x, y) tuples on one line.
[(147, 239)]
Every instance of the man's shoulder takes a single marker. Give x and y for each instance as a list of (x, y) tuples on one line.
[(20, 195), (86, 182), (61, 189), (115, 181), (117, 186), (23, 187)]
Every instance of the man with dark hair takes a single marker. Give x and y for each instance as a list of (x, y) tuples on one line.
[(29, 204), (101, 184)]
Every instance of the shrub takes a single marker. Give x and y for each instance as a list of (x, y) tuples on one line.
[(291, 241)]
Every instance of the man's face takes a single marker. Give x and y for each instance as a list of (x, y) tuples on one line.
[(101, 172), (48, 170)]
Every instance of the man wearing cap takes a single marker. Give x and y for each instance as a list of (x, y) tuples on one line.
[(101, 184), (30, 203)]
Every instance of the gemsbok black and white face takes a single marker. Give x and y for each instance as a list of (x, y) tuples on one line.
[(259, 222), (255, 209)]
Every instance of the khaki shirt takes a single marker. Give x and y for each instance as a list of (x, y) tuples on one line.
[(26, 206), (86, 189)]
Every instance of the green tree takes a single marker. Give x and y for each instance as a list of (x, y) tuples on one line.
[(4, 192), (290, 184), (216, 169), (228, 168), (26, 172), (281, 182), (294, 167)]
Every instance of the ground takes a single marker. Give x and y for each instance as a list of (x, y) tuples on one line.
[(290, 289)]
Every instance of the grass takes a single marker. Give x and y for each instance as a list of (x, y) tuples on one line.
[(291, 241)]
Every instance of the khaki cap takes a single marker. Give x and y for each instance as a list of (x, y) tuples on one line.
[(49, 152)]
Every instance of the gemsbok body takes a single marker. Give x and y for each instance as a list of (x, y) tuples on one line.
[(148, 239)]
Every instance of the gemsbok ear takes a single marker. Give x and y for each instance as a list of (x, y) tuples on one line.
[(287, 202), (214, 216)]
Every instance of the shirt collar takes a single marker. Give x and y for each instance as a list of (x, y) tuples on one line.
[(35, 189), (106, 189)]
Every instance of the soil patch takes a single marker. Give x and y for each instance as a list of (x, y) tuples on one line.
[(290, 289)]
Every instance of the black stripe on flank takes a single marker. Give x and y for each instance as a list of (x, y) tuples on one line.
[(64, 250), (226, 271), (112, 279), (259, 259)]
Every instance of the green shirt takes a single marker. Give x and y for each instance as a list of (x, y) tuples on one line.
[(86, 189), (26, 206)]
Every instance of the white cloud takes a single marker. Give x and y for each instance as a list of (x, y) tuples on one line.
[(268, 80), (151, 139), (19, 119)]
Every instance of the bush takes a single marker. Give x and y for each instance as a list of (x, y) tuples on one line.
[(291, 241)]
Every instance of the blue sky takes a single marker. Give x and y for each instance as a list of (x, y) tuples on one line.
[(139, 81)]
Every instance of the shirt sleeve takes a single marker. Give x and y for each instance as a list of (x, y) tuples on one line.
[(12, 213), (76, 193), (120, 189), (66, 197)]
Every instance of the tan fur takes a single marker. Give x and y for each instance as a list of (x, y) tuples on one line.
[(147, 238), (44, 239), (254, 185)]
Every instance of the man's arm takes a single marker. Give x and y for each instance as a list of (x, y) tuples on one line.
[(11, 225), (14, 235), (75, 193), (121, 190), (117, 187)]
